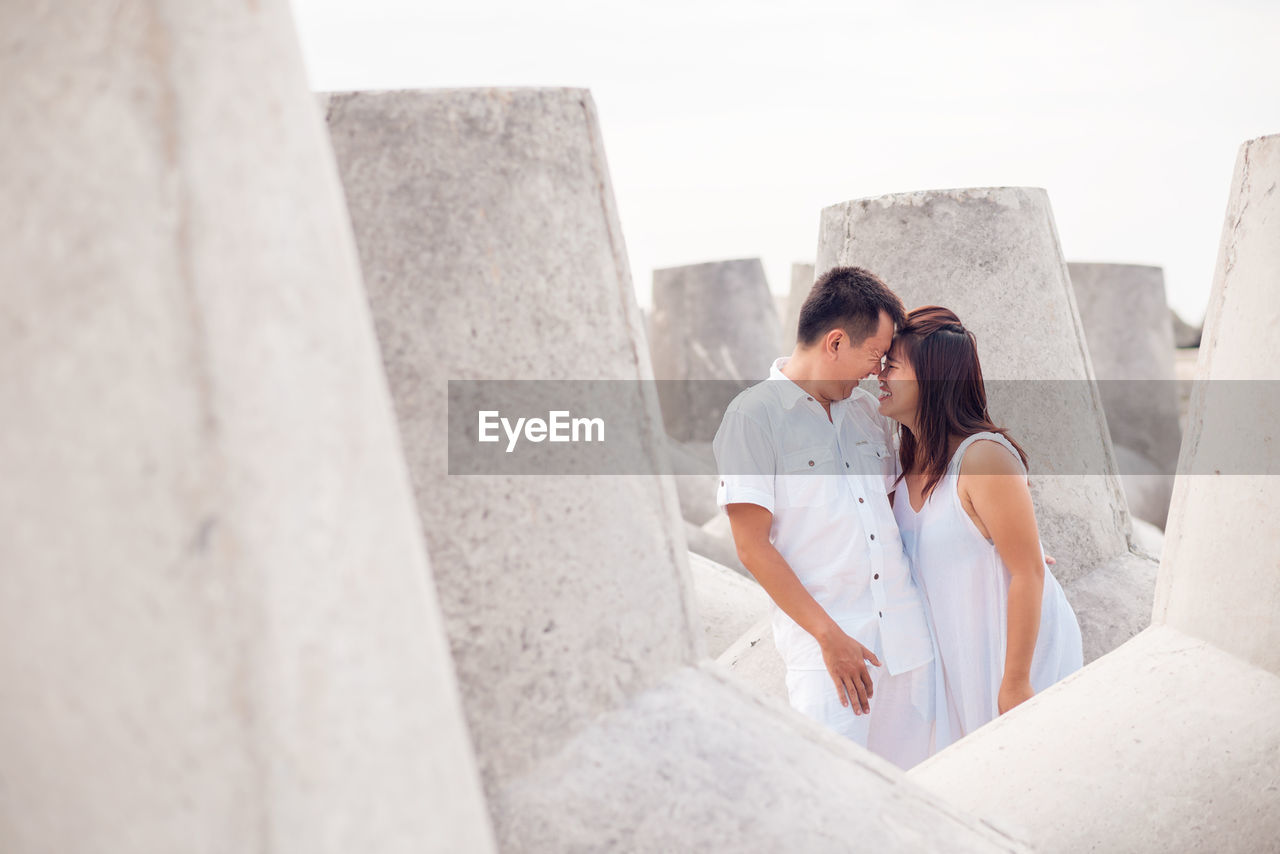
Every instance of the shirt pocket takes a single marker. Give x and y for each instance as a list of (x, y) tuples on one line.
[(807, 480), (872, 457)]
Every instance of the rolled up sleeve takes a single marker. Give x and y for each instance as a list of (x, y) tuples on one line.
[(745, 459)]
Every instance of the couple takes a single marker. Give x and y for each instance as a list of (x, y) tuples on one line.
[(913, 602)]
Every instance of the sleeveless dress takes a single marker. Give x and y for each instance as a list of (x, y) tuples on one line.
[(965, 584)]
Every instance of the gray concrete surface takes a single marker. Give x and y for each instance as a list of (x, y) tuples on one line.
[(1148, 539), (712, 321), (802, 279), (1166, 744), (1127, 325), (480, 239), (753, 660), (1184, 366), (217, 628), (714, 541), (696, 481), (1147, 489), (1184, 334), (728, 604), (1220, 579)]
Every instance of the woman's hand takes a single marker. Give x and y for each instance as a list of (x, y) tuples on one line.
[(1014, 692)]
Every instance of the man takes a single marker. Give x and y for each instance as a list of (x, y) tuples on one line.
[(806, 463)]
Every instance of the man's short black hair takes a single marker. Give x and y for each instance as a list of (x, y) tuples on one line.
[(848, 298)]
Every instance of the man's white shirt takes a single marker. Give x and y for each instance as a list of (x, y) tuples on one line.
[(826, 482)]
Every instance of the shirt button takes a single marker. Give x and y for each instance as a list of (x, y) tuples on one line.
[(846, 465), (873, 536), (722, 483), (882, 613), (811, 398), (810, 462), (860, 501), (877, 575)]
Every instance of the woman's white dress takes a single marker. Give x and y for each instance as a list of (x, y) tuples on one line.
[(966, 589)]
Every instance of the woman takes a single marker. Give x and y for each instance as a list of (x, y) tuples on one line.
[(1003, 627)]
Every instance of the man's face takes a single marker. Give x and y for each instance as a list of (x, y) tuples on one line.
[(862, 360)]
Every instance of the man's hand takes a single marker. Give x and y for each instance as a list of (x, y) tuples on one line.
[(1013, 692), (845, 658), (846, 661)]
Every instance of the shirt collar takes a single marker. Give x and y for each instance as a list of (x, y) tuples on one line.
[(789, 394)]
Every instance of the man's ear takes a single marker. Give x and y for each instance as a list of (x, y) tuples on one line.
[(831, 342)]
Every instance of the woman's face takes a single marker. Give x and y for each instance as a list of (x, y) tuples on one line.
[(899, 393)]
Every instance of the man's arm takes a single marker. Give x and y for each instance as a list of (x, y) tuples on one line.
[(845, 657)]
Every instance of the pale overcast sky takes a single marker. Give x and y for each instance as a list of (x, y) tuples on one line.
[(730, 125)]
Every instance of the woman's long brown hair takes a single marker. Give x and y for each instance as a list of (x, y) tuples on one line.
[(952, 399)]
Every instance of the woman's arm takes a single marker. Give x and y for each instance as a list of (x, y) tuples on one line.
[(993, 489)]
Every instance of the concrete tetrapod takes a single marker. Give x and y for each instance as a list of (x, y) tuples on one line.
[(696, 481), (1148, 489), (1184, 334), (714, 540), (1185, 362), (1166, 744), (1171, 742), (217, 628), (567, 598), (1234, 427), (780, 307), (728, 604), (1128, 326), (713, 321), (801, 284), (992, 256), (753, 660)]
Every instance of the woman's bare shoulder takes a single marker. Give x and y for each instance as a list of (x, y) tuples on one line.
[(987, 456)]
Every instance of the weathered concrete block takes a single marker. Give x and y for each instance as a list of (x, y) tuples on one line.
[(696, 481), (567, 598), (500, 222), (217, 627), (1147, 490), (802, 280), (728, 604), (707, 526), (693, 491), (1127, 326), (1147, 539), (754, 661), (1219, 579), (713, 321), (992, 256), (714, 541), (1184, 334), (780, 303), (1111, 602), (1184, 366), (718, 526), (699, 764), (1125, 755)]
